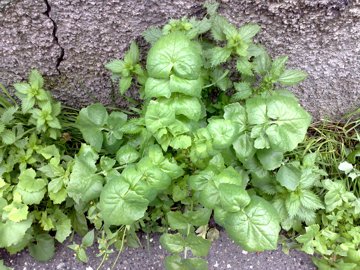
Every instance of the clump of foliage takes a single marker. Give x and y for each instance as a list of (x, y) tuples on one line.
[(215, 137), (335, 236), (34, 172)]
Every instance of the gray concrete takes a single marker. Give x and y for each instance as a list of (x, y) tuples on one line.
[(320, 36), (224, 255)]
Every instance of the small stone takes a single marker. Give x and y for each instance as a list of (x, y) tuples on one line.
[(89, 268), (244, 252), (61, 266), (216, 265), (228, 266)]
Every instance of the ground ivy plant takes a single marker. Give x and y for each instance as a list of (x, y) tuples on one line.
[(214, 124)]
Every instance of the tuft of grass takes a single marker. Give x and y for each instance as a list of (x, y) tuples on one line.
[(333, 142)]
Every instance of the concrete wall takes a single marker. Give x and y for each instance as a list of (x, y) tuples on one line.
[(69, 41)]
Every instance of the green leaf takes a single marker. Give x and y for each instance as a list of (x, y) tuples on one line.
[(185, 86), (127, 154), (158, 115), (119, 205), (177, 221), (90, 121), (233, 198), (220, 78), (211, 7), (181, 142), (262, 63), (236, 114), (11, 233), (289, 176), (44, 247), (79, 222), (132, 55), (62, 225), (199, 217), (248, 31), (243, 91), (174, 54), (293, 204), (88, 239), (157, 88), (84, 185), (152, 34), (35, 79), (8, 115), (217, 29), (256, 228), (173, 243), (310, 200), (222, 132), (218, 55), (244, 66), (31, 189), (291, 77), (278, 66), (286, 122), (8, 137), (81, 255), (244, 147), (188, 106), (115, 66), (198, 245), (270, 159), (124, 84)]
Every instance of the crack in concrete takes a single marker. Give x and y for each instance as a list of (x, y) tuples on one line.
[(55, 37)]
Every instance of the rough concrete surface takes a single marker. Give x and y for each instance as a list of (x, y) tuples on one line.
[(224, 255), (70, 40)]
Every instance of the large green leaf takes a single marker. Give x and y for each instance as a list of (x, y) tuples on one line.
[(185, 86), (12, 233), (289, 176), (90, 121), (173, 243), (236, 114), (279, 122), (244, 147), (84, 184), (256, 227), (174, 54), (222, 132), (188, 106), (119, 205), (44, 247), (233, 198), (269, 158), (158, 115), (31, 189)]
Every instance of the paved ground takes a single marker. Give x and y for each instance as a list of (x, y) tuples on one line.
[(224, 255)]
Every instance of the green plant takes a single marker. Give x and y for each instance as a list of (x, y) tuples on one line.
[(336, 235), (217, 151), (34, 172)]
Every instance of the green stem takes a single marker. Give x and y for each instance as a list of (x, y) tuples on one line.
[(188, 231), (102, 262), (120, 250)]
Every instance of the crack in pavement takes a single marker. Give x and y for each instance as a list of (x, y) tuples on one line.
[(55, 37)]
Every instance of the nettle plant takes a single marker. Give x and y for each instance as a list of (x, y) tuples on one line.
[(34, 172), (212, 131)]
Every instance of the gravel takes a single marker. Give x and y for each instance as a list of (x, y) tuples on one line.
[(224, 255)]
